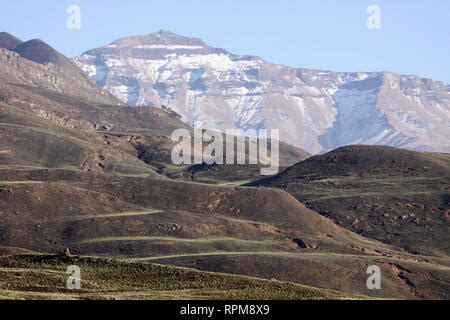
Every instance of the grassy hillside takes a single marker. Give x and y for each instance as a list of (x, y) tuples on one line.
[(29, 140), (76, 112), (31, 276), (215, 228), (396, 196), (401, 278)]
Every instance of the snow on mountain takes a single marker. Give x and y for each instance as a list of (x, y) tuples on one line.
[(315, 110)]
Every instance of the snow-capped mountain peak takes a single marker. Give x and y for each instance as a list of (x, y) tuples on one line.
[(314, 109), (161, 39)]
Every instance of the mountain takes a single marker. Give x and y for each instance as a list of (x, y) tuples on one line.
[(314, 109), (8, 41), (40, 52), (396, 196), (40, 80), (53, 116), (106, 167), (35, 63)]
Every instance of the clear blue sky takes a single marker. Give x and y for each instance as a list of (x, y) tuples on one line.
[(322, 34)]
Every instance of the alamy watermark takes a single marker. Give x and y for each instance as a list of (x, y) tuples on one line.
[(74, 280), (373, 21), (73, 21), (235, 146), (374, 280)]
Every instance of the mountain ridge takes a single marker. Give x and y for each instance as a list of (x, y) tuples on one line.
[(316, 110), (38, 64), (107, 167), (8, 41), (393, 195)]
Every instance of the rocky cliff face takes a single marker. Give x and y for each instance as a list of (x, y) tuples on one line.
[(316, 110)]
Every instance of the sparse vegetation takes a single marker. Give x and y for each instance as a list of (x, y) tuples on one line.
[(98, 179), (395, 196), (31, 276)]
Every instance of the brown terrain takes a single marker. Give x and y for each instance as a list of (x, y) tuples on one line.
[(396, 196), (79, 171)]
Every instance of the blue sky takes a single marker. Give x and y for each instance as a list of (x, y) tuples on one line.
[(414, 37)]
